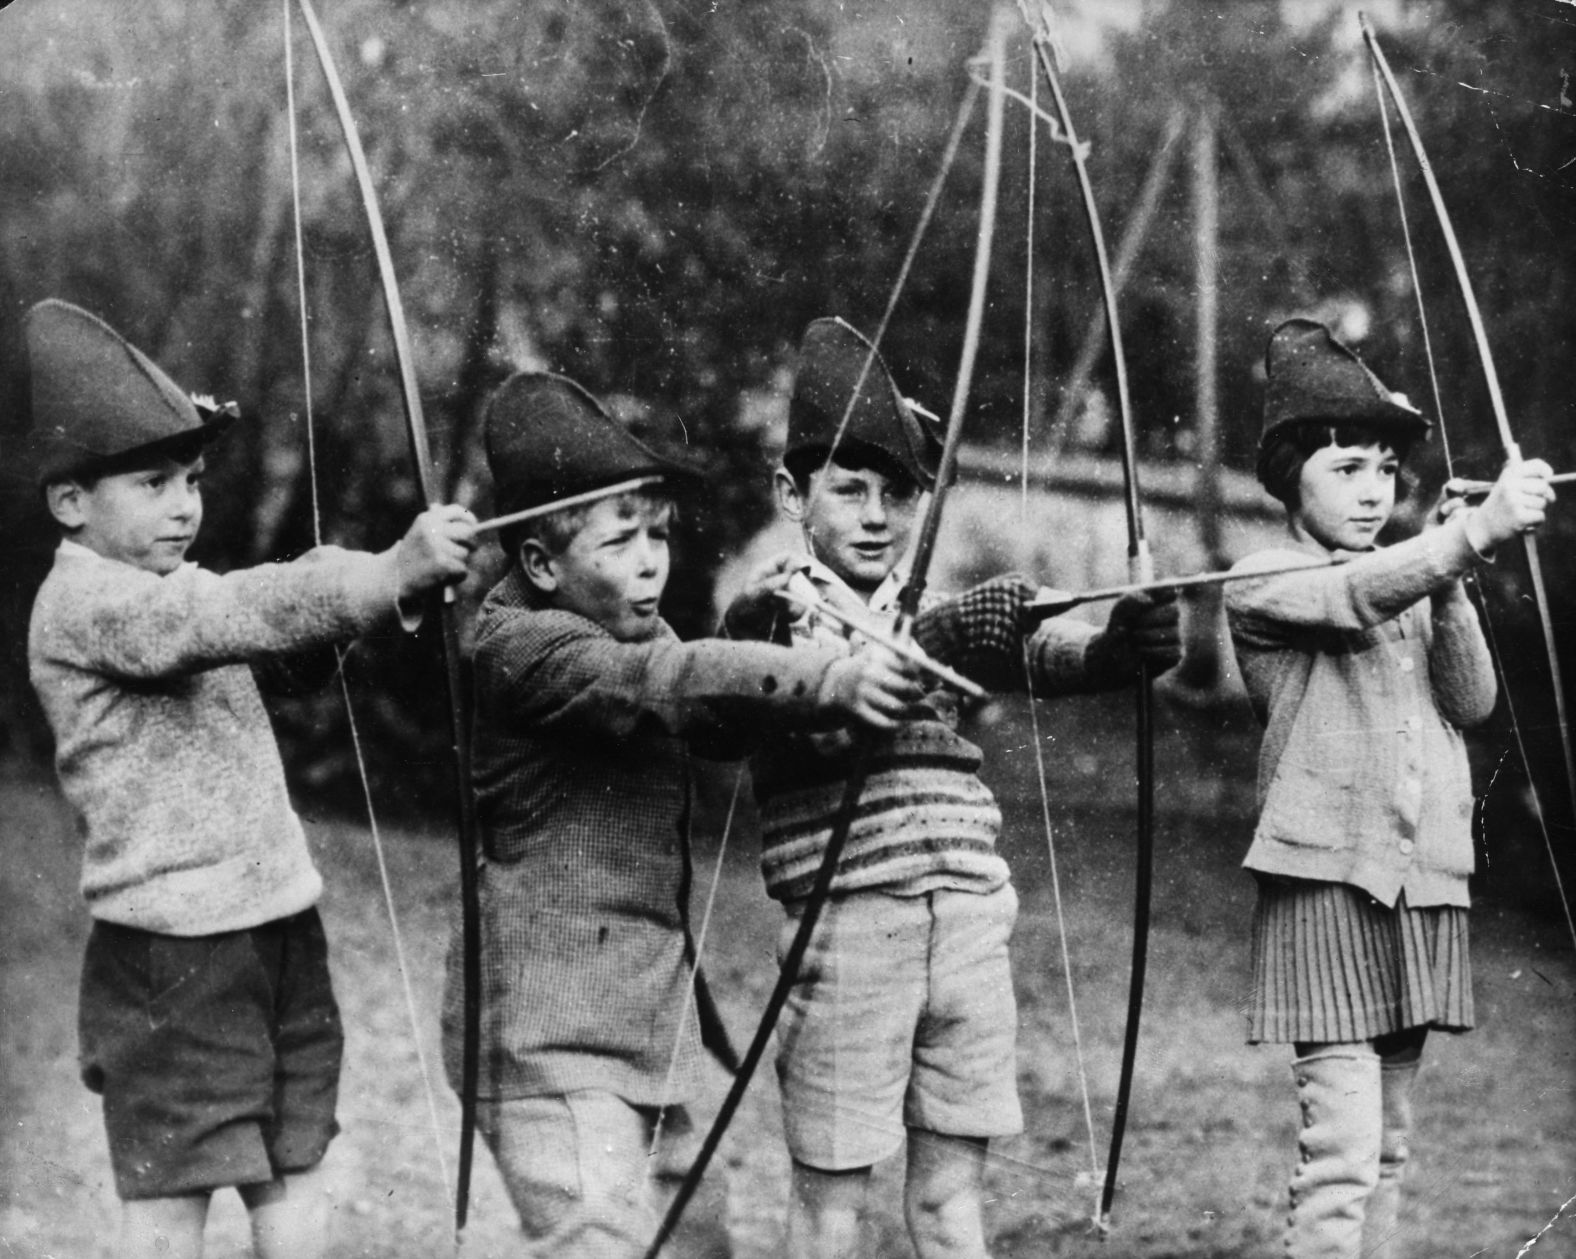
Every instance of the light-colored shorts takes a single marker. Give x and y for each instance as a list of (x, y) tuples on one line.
[(575, 1166), (902, 1017)]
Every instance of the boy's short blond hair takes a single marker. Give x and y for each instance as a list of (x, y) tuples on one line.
[(556, 530)]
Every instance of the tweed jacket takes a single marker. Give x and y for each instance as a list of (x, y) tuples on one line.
[(1363, 674), (581, 767), (162, 744)]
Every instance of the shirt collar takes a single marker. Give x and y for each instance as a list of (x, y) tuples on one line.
[(882, 599)]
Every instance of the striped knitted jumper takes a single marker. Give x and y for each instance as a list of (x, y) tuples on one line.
[(924, 821)]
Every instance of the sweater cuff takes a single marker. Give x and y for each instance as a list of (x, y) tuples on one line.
[(1452, 549), (1452, 604), (1458, 523), (372, 590), (1065, 659)]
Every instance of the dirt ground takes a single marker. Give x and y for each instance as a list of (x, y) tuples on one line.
[(1210, 1136)]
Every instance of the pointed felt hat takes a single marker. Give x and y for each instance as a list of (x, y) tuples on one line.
[(1312, 376), (98, 400), (548, 438), (836, 364)]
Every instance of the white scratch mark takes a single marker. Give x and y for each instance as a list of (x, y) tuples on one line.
[(1519, 168), (662, 77), (816, 55), (1564, 1206), (1488, 91)]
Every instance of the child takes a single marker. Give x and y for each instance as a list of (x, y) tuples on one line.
[(1363, 674), (589, 709), (207, 1021), (903, 1014)]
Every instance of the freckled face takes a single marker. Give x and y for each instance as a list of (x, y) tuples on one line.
[(857, 522), (615, 568), (1346, 495), (146, 518)]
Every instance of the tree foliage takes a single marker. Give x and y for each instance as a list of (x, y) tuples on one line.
[(655, 196)]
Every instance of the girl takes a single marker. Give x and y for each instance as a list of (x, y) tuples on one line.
[(1362, 674)]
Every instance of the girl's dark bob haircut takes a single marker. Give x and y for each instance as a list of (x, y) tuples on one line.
[(1287, 448)]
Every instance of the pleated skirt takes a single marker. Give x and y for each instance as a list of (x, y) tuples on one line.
[(1331, 964)]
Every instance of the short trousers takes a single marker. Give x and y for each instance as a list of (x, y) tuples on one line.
[(903, 1016), (1331, 965), (575, 1166), (217, 1056)]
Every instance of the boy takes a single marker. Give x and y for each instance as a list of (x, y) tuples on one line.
[(588, 710), (903, 1015), (1363, 675), (207, 1021)]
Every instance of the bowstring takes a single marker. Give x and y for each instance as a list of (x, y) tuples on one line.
[(340, 655), (1061, 922), (1034, 714), (933, 198), (927, 213), (694, 975), (1028, 289), (1479, 597), (948, 460), (948, 158)]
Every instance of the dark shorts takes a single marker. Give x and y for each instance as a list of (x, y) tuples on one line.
[(217, 1056)]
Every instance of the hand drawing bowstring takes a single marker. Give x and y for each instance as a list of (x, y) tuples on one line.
[(421, 456), (1384, 81)]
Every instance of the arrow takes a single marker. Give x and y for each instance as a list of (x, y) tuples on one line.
[(1474, 491), (1049, 602), (906, 648), (564, 504)]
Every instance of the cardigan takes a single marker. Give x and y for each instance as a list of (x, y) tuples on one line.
[(1362, 674), (162, 744), (581, 769)]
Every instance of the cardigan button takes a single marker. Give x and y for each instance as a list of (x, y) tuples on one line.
[(1406, 664), (1406, 847)]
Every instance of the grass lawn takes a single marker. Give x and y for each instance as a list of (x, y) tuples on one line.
[(1210, 1135)]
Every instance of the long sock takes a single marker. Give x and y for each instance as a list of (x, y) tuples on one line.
[(1338, 1090)]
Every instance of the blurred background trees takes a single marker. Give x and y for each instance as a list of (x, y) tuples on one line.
[(655, 197)]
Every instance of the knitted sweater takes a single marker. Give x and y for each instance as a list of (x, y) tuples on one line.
[(1362, 674), (925, 821), (162, 743)]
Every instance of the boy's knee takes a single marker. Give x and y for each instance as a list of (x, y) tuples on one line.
[(942, 1204), (824, 1211), (574, 1169), (942, 1198), (163, 1228), (945, 1222)]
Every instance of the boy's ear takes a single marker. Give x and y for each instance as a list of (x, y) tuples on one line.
[(789, 501), (64, 500), (536, 562)]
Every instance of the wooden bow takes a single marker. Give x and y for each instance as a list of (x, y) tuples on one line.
[(908, 603), (1140, 572), (459, 724), (1497, 402)]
